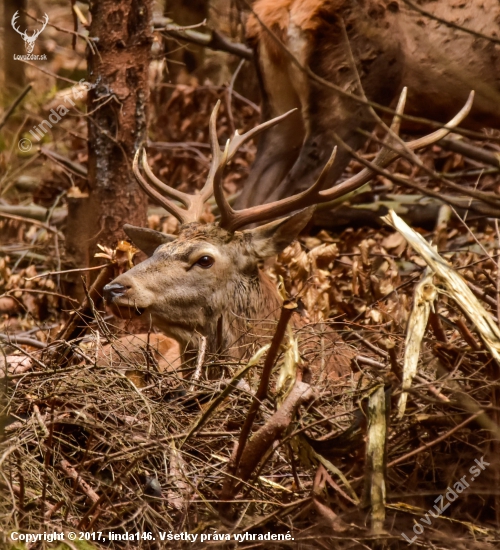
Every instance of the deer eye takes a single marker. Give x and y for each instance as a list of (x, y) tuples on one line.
[(205, 262)]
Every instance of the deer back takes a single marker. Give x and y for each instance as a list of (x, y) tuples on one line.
[(312, 54)]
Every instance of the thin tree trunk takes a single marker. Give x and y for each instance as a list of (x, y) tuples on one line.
[(13, 44), (121, 31), (117, 104)]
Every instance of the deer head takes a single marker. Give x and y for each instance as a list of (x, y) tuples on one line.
[(206, 280), (29, 41)]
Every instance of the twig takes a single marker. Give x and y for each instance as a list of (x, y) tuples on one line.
[(199, 362), (37, 291), (50, 273), (435, 441), (73, 329), (29, 220), (16, 102), (451, 24)]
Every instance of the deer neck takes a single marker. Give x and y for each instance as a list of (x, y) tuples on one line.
[(247, 317)]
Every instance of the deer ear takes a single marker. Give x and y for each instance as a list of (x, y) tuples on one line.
[(272, 238), (147, 240)]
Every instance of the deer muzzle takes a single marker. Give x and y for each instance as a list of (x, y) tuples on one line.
[(117, 297), (113, 290)]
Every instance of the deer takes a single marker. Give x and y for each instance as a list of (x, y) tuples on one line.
[(207, 281), (29, 41), (333, 60)]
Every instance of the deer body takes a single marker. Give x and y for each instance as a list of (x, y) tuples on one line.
[(391, 45)]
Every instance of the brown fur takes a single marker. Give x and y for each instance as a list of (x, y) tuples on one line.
[(393, 46), (233, 303)]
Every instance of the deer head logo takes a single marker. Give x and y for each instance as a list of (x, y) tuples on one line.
[(29, 41)]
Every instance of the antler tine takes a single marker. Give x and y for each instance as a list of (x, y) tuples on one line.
[(184, 198), (169, 206), (226, 211), (234, 144), (238, 140), (396, 121), (163, 193), (233, 219), (228, 216), (442, 132), (208, 188), (386, 155)]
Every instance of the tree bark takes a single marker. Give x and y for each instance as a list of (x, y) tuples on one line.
[(121, 32)]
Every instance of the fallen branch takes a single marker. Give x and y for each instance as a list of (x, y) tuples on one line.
[(75, 167), (80, 482), (22, 341), (470, 151), (35, 212), (212, 40), (261, 393)]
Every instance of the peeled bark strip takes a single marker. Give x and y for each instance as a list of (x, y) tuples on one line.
[(425, 294), (273, 429), (455, 285), (121, 32), (375, 458)]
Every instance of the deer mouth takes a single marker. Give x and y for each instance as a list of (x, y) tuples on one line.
[(122, 305), (125, 311)]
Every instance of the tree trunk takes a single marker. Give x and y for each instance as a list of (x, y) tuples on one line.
[(121, 31), (13, 43), (118, 63)]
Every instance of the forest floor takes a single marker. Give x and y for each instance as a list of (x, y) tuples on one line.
[(103, 430)]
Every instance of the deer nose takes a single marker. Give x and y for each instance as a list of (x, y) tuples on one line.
[(113, 290)]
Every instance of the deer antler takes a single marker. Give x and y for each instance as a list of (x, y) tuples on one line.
[(13, 22), (36, 33), (194, 204), (234, 219)]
